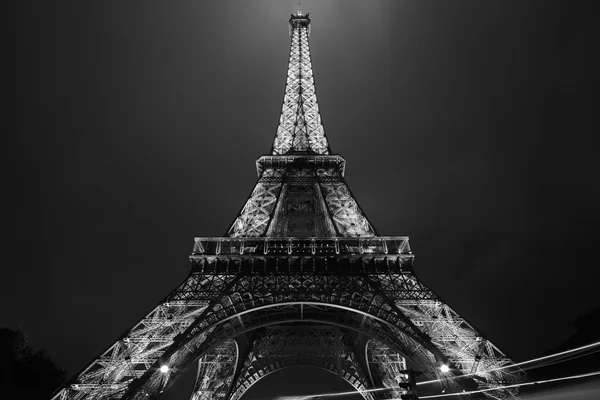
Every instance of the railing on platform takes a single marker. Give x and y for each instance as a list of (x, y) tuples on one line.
[(301, 246)]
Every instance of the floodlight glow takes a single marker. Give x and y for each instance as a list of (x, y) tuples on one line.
[(444, 368), (164, 369)]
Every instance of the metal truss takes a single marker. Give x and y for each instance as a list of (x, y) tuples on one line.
[(345, 211), (321, 346), (463, 345), (382, 299), (254, 217), (215, 372), (299, 142), (137, 351), (333, 210), (300, 128), (301, 278), (385, 367)]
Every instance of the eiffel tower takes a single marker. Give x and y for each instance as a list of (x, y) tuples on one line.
[(300, 278)]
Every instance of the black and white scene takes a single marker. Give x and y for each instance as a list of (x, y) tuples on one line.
[(325, 200)]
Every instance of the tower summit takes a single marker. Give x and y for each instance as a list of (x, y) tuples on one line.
[(301, 191), (300, 129), (300, 278)]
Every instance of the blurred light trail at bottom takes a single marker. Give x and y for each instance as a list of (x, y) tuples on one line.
[(581, 376), (333, 394), (514, 386), (550, 356)]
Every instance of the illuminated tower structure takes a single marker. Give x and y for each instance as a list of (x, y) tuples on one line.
[(300, 278)]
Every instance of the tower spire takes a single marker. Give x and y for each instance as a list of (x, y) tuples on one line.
[(301, 191), (300, 129)]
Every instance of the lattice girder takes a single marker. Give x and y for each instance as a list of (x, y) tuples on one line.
[(300, 127), (382, 299), (260, 300), (139, 349), (254, 218), (342, 291), (345, 211), (286, 346), (256, 299), (273, 316), (384, 367), (277, 203), (463, 345), (216, 370)]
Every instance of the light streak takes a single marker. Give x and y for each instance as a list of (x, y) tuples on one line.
[(571, 358), (335, 394), (564, 378), (550, 356), (587, 346)]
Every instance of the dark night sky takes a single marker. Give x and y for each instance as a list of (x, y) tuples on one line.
[(466, 125)]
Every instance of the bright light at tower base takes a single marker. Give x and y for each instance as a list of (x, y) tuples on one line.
[(444, 368), (164, 369)]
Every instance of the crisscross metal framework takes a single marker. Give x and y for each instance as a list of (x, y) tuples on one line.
[(300, 278), (300, 128), (321, 346), (361, 288)]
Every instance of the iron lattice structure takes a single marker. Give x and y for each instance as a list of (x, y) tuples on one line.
[(301, 278)]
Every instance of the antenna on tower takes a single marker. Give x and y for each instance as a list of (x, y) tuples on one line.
[(299, 9)]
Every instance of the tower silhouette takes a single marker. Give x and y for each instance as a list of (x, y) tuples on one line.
[(300, 278)]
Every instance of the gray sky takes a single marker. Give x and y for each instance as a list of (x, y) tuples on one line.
[(466, 125)]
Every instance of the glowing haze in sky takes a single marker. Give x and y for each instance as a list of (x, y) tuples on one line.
[(466, 125)]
